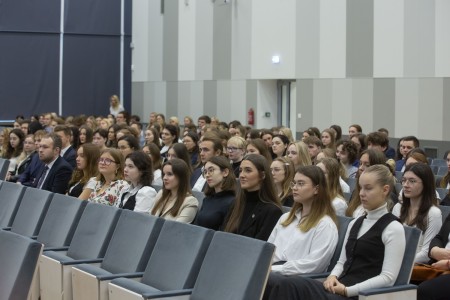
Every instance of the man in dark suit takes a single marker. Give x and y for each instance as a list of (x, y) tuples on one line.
[(67, 151), (56, 172)]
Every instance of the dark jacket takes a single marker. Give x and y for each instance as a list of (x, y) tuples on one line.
[(32, 171), (58, 177), (70, 156), (441, 239)]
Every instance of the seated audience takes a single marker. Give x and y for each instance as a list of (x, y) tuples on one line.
[(257, 208), (419, 206), (220, 193), (372, 253), (87, 160), (139, 196), (109, 183), (175, 201)]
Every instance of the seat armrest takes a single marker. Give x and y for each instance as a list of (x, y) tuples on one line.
[(65, 248), (81, 261), (316, 275), (125, 275), (164, 294), (390, 289), (7, 228), (34, 237)]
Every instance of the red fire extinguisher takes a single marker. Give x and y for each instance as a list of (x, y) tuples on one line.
[(251, 116)]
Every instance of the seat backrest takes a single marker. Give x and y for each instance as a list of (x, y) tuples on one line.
[(4, 165), (398, 175), (157, 187), (132, 242), (342, 229), (445, 212), (412, 236), (239, 266), (439, 162), (94, 231), (442, 193), (31, 212), (199, 196), (442, 171), (351, 183), (10, 197), (18, 259), (177, 256), (61, 221)]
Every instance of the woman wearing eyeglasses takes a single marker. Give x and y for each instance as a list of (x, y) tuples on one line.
[(372, 252), (306, 237), (109, 183), (236, 150), (257, 208), (175, 201), (283, 172), (138, 171), (220, 193), (419, 207)]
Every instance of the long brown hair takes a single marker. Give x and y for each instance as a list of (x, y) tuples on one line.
[(229, 182), (289, 172), (321, 205), (91, 153), (333, 167), (266, 193), (118, 159), (181, 171), (428, 197)]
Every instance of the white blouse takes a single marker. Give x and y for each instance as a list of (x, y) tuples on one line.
[(393, 238), (434, 221), (304, 252), (145, 197), (340, 206)]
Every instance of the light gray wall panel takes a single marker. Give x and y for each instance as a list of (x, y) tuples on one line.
[(170, 40), (210, 105), (172, 92), (430, 108), (419, 38), (323, 98), (307, 37), (222, 41), (359, 38), (305, 96), (362, 99), (384, 104), (446, 109)]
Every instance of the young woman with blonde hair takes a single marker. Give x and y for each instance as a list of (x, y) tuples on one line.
[(283, 173), (299, 155), (331, 168)]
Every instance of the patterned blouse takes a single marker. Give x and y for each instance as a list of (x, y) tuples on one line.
[(108, 196)]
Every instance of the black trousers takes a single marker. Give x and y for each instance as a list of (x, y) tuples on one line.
[(280, 287), (435, 289)]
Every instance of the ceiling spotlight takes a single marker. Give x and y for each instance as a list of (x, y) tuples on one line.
[(276, 59)]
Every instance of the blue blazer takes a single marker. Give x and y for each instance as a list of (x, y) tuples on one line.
[(32, 172)]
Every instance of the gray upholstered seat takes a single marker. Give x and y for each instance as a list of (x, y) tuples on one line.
[(175, 261), (61, 221), (129, 251), (18, 259), (31, 212), (10, 197), (4, 165), (401, 289), (90, 241)]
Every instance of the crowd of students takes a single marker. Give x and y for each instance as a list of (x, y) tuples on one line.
[(247, 175)]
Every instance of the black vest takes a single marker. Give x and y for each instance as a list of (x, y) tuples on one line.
[(365, 255), (131, 202)]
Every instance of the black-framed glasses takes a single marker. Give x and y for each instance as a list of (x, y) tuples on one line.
[(106, 161)]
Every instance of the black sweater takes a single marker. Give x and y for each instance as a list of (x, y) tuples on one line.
[(214, 210)]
